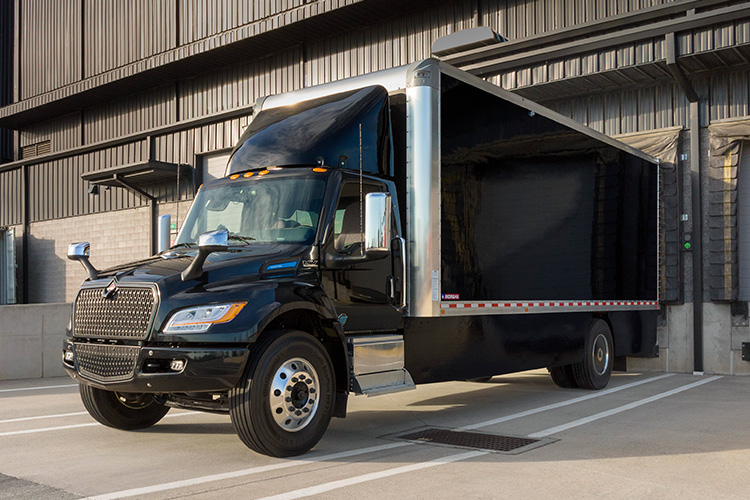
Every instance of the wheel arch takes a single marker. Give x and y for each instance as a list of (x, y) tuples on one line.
[(308, 319)]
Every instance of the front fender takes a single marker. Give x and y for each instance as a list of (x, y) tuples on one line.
[(266, 301)]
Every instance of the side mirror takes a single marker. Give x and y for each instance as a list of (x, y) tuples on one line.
[(377, 225), (212, 241), (81, 252)]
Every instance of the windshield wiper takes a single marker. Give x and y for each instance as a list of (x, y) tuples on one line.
[(246, 239), (182, 245)]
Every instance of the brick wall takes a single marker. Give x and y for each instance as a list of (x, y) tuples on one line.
[(115, 237)]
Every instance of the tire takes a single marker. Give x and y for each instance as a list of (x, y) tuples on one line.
[(284, 401), (126, 411), (594, 371), (563, 376)]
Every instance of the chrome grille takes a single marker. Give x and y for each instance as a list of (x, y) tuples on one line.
[(125, 314), (106, 362)]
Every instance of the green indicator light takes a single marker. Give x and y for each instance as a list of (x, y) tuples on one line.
[(687, 246), (173, 226)]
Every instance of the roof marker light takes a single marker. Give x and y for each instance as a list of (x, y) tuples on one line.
[(248, 174), (320, 169), (264, 172), (235, 176)]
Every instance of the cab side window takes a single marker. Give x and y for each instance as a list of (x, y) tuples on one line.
[(348, 223)]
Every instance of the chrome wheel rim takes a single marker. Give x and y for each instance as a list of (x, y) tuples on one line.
[(600, 354), (294, 394)]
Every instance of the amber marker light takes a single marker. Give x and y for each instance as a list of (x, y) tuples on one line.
[(235, 176), (320, 169), (248, 174), (264, 172)]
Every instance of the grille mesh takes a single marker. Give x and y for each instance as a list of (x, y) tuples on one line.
[(106, 362), (126, 314), (469, 439)]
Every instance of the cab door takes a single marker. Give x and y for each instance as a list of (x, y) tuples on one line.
[(363, 291)]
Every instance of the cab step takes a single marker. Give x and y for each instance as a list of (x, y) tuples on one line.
[(378, 365)]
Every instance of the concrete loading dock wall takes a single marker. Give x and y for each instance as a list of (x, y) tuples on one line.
[(31, 340)]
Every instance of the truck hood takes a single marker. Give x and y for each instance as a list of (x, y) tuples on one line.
[(239, 264)]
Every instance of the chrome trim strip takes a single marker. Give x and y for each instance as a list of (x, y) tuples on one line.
[(491, 308)]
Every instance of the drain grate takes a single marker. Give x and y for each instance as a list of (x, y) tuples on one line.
[(474, 440)]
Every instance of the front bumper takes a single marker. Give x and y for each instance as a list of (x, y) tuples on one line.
[(147, 369)]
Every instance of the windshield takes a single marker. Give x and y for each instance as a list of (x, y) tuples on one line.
[(262, 209)]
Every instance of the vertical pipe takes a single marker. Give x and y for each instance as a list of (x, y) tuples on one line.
[(165, 221), (696, 178)]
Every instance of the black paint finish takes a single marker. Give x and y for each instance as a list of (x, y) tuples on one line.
[(532, 210), (455, 348), (327, 127)]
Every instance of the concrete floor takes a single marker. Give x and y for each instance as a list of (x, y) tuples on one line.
[(645, 436)]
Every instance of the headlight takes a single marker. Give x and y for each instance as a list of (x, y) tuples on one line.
[(200, 319)]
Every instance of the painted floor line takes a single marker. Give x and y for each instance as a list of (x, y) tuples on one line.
[(293, 463), (38, 388), (561, 404), (242, 473), (343, 483), (40, 417), (76, 426), (619, 409)]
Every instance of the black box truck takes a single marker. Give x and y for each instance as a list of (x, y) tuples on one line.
[(409, 226)]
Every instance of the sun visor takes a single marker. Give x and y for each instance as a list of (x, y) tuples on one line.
[(345, 129)]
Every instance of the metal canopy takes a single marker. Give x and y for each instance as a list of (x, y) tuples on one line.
[(135, 174)]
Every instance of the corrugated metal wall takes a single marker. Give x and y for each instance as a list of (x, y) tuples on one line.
[(6, 75), (385, 45), (523, 18), (50, 45), (11, 197), (241, 85), (63, 132), (202, 18), (726, 95), (150, 109), (110, 25)]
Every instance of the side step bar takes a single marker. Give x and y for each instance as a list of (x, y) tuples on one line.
[(378, 365)]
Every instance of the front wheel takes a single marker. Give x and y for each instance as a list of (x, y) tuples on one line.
[(122, 410), (594, 371), (282, 405)]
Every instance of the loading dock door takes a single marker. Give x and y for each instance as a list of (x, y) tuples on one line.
[(743, 222), (7, 266)]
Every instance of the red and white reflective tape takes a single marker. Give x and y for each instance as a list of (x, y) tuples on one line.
[(529, 305)]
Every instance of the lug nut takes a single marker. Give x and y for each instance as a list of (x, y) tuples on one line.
[(298, 413)]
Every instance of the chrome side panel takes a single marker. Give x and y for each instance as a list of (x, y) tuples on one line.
[(380, 353), (423, 189)]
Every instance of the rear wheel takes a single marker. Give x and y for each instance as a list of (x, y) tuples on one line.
[(563, 376), (284, 401), (594, 371), (122, 410)]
